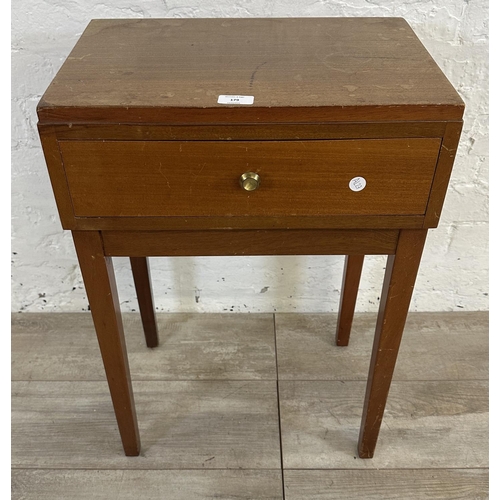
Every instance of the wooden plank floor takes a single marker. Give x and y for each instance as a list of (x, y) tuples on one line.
[(250, 406)]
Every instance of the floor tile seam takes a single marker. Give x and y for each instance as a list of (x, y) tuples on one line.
[(262, 381), (280, 434), (378, 469), (398, 381), (194, 469), (149, 380), (254, 380), (251, 469)]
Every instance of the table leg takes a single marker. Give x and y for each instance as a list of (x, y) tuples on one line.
[(400, 275), (142, 280), (350, 285), (99, 279)]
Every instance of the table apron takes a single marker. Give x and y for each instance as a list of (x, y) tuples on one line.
[(250, 242)]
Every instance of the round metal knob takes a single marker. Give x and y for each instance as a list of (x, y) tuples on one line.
[(250, 181)]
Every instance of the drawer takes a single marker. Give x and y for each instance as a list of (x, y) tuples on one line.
[(201, 178)]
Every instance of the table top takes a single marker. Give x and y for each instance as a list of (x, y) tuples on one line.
[(296, 70)]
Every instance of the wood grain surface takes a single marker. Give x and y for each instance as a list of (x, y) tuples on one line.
[(126, 131), (427, 425), (199, 178), (184, 425), (399, 280), (240, 242), (444, 167), (244, 222), (442, 484), (100, 285), (435, 346), (233, 425), (439, 484), (63, 431), (147, 484), (59, 182), (192, 347), (173, 70), (144, 292), (353, 266), (236, 131)]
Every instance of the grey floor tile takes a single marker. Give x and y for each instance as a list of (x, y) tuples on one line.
[(145, 484), (192, 424), (192, 346), (435, 346), (438, 484), (207, 407), (426, 425)]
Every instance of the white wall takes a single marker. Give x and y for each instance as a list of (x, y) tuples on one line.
[(454, 269)]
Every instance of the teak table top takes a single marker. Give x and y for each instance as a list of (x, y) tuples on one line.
[(298, 70)]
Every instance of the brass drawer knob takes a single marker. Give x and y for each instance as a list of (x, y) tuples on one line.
[(250, 181)]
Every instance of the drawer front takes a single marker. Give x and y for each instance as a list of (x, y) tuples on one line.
[(201, 178)]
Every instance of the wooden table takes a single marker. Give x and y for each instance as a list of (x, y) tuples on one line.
[(168, 137)]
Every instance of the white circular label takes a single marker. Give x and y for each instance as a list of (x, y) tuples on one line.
[(357, 184)]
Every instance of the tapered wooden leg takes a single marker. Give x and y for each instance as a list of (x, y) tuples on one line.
[(400, 275), (350, 285), (142, 280), (99, 279)]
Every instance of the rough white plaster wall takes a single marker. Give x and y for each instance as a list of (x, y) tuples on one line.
[(454, 269)]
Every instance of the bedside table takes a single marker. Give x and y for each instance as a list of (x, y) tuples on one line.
[(170, 137)]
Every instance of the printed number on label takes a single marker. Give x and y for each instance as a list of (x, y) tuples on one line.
[(357, 184)]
